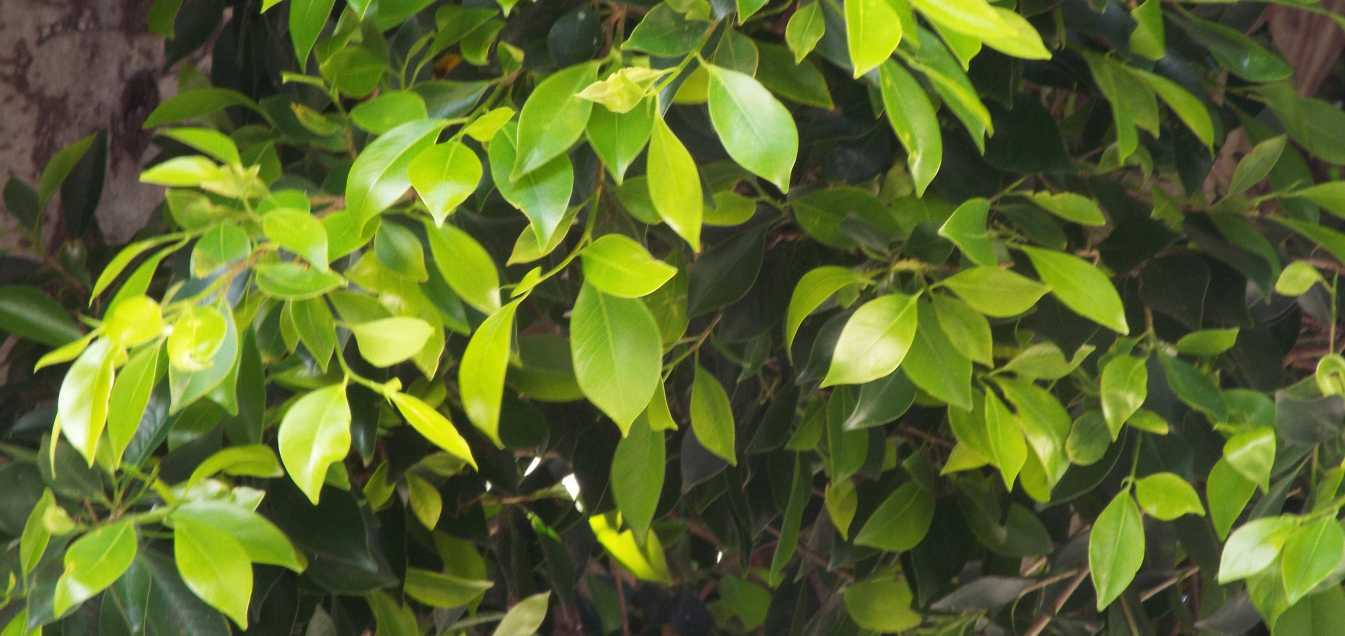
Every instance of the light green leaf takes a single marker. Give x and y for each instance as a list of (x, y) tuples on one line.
[(645, 561), (399, 251), (881, 604), (619, 266), (976, 18), (617, 353), (387, 341), (208, 141), (433, 426), (1252, 455), (389, 110), (123, 259), (466, 265), (484, 128), (219, 247), (197, 103), (900, 522), (1331, 240), (444, 175), (637, 475), (35, 537), (1080, 286), (525, 617), (665, 33), (1148, 38), (1015, 36), (426, 503), (1298, 278), (380, 174), (1125, 385), (1208, 342), (1045, 361), (874, 341), (805, 29), (618, 138), (674, 184), (438, 589), (292, 281), (1166, 496), (1310, 555), (812, 290), (1115, 548), (1227, 492), (196, 335), (1007, 449), (553, 118), (966, 228), (841, 502), (935, 365), (913, 120), (215, 567), (995, 292), (82, 403), (1194, 387), (261, 539), (253, 460), (542, 194), (755, 128), (132, 321), (967, 330), (307, 18), (1188, 107), (93, 562), (300, 232), (712, 416), (481, 373), (872, 33), (1331, 196), (314, 434), (1254, 546), (1256, 165), (1070, 206)]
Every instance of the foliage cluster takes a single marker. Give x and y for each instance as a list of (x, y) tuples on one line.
[(601, 317)]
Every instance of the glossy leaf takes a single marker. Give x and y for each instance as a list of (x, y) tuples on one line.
[(912, 118), (314, 434), (619, 266), (1115, 548), (875, 340), (481, 373), (1080, 286)]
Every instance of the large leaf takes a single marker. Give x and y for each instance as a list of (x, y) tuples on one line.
[(553, 118), (314, 434), (481, 373), (755, 128), (94, 562), (1081, 286), (380, 174), (617, 353), (215, 566), (27, 312), (874, 341), (913, 119), (674, 184)]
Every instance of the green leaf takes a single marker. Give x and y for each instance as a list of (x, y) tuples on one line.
[(218, 248), (755, 128), (1166, 496), (799, 82), (123, 259), (618, 138), (35, 537), (354, 70), (444, 175), (380, 174), (254, 460), (314, 434), (972, 17), (665, 33), (967, 330), (58, 168), (1148, 38), (292, 281), (1045, 361), (300, 232), (881, 604), (215, 567), (1070, 206), (966, 228), (935, 365), (1298, 278), (543, 194), (93, 562), (208, 141), (900, 522), (1330, 196), (1252, 455), (552, 118), (637, 475), (1088, 440), (387, 341), (841, 502), (1115, 548), (525, 617), (913, 120), (800, 492), (1188, 107), (481, 373), (995, 292), (1315, 614), (261, 539), (197, 103), (1256, 165), (1080, 286), (1015, 36), (644, 560), (433, 426), (316, 327), (426, 503), (398, 249), (1227, 492), (712, 416), (484, 127), (438, 589), (28, 312), (674, 184), (619, 266), (389, 110), (1238, 53), (872, 33), (1208, 342), (812, 290), (1254, 546), (1004, 439), (1310, 555), (1125, 385), (82, 404), (617, 352), (306, 20), (1194, 388), (874, 341), (466, 266), (805, 29), (1331, 240)]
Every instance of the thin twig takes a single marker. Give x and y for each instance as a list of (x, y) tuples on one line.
[(1045, 619)]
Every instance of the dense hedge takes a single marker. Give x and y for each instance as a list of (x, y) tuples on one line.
[(617, 317)]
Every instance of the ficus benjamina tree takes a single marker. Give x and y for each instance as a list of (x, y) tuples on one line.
[(698, 316)]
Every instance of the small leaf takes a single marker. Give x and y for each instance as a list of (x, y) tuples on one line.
[(935, 365), (881, 605), (426, 503), (389, 110), (812, 290), (995, 292), (387, 341), (1070, 206), (466, 266), (617, 352), (966, 228), (299, 232), (1297, 279), (380, 174), (1194, 388), (618, 138), (874, 341), (805, 29), (1125, 385), (82, 403), (712, 416), (755, 128), (1148, 38), (438, 589), (307, 19), (525, 617), (1208, 342), (1006, 446), (261, 539), (900, 522), (841, 503), (444, 175), (646, 561), (1254, 546), (552, 118), (433, 426), (619, 266), (637, 475), (542, 194), (314, 434), (967, 330), (1080, 286), (1115, 548), (1227, 492), (1165, 496), (1252, 455), (674, 184), (1256, 165), (482, 371), (292, 281), (913, 119)]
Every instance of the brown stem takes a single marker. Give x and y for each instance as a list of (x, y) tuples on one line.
[(1060, 600)]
